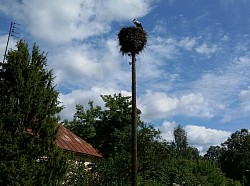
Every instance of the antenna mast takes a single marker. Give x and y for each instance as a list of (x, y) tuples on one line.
[(11, 33)]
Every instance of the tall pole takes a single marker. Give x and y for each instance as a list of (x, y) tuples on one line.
[(134, 123)]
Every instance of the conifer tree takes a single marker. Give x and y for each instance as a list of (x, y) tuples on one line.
[(28, 120)]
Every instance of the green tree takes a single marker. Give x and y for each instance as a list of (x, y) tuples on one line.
[(235, 157), (28, 120), (112, 136), (186, 166), (84, 121), (181, 146), (214, 154), (112, 127), (208, 173), (159, 162), (152, 154), (180, 139)]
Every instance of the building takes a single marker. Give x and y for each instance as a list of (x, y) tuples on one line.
[(69, 141)]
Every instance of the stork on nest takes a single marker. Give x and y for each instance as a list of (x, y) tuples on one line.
[(137, 24)]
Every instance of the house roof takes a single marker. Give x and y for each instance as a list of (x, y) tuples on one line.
[(67, 140)]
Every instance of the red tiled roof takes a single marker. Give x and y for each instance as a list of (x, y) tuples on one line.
[(67, 140)]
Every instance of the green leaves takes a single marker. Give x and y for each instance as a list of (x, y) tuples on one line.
[(180, 139), (233, 156), (159, 162), (83, 122), (236, 153), (28, 123)]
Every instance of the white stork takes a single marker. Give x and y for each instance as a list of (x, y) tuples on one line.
[(137, 24)]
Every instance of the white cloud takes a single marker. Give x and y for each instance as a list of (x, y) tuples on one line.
[(198, 136), (223, 85), (149, 68), (196, 105), (205, 49), (151, 62), (155, 105), (225, 38), (3, 43), (81, 96), (160, 27), (167, 129), (163, 48), (61, 21), (202, 137), (187, 43), (87, 65), (118, 10), (244, 96)]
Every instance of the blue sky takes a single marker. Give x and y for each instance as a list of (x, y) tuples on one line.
[(193, 72)]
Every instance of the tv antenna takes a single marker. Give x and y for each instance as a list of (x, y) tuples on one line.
[(12, 33)]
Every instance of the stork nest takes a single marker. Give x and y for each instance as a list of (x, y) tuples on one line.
[(132, 40)]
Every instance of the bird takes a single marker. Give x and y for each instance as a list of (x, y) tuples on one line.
[(137, 24)]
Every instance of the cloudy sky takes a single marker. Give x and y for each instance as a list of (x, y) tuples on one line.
[(195, 70)]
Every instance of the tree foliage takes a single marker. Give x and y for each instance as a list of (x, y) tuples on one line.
[(28, 121), (236, 154), (214, 154), (180, 139), (159, 162), (233, 156)]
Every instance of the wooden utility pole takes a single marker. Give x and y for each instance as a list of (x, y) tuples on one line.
[(134, 123)]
